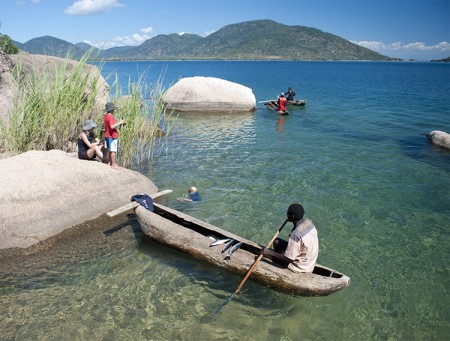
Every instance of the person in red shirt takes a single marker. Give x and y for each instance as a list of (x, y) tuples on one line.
[(111, 133), (282, 102)]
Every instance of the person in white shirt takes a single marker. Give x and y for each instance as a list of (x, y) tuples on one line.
[(301, 251)]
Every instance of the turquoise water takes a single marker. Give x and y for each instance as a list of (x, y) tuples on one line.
[(356, 156)]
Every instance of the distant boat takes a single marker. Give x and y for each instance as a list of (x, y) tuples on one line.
[(185, 233), (297, 102), (273, 105)]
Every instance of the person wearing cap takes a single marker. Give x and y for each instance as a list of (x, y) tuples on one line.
[(111, 133), (89, 146), (282, 102), (301, 251), (290, 94), (192, 196)]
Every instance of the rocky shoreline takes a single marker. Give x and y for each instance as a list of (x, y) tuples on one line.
[(45, 193)]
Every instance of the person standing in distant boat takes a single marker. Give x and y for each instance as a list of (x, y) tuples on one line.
[(281, 102), (111, 133), (290, 94), (301, 251), (89, 146)]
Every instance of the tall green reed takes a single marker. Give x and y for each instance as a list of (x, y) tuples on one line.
[(148, 124), (50, 107)]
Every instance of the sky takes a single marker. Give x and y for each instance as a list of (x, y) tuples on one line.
[(407, 29)]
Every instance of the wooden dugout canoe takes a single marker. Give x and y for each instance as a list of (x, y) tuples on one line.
[(296, 102), (188, 234), (273, 105)]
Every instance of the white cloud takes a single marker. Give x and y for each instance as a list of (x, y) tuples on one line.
[(207, 33), (399, 46), (25, 2), (89, 7), (133, 40), (147, 30)]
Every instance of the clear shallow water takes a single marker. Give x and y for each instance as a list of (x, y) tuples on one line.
[(357, 158)]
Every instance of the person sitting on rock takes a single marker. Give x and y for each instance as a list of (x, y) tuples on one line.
[(89, 146)]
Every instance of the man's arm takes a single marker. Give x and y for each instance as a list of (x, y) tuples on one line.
[(275, 255)]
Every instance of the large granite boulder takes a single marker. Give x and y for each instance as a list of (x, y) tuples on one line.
[(46, 192), (209, 94), (439, 138), (34, 64)]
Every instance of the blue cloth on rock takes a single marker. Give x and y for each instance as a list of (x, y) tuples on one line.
[(144, 200)]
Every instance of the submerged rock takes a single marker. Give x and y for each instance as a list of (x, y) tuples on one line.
[(209, 94), (46, 192), (440, 139)]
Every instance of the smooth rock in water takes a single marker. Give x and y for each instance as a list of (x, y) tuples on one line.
[(209, 94), (440, 139), (42, 193)]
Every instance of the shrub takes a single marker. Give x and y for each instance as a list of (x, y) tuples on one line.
[(7, 46)]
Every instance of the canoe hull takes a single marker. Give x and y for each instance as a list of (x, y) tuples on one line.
[(274, 107), (188, 234), (296, 102)]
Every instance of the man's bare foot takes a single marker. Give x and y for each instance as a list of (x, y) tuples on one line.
[(115, 167)]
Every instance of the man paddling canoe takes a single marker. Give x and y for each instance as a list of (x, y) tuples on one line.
[(301, 251)]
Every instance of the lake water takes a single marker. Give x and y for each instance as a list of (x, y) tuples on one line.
[(356, 156)]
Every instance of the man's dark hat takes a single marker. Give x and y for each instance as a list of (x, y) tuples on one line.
[(296, 212), (110, 106)]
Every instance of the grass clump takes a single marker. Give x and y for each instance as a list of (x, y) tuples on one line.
[(50, 106), (148, 125)]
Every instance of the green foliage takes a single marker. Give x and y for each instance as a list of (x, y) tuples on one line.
[(50, 107), (7, 46), (146, 122)]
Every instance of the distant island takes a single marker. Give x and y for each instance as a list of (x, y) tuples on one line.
[(251, 40), (447, 60)]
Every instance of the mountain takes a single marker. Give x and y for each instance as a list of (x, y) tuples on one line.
[(447, 60), (266, 39), (251, 40), (53, 47)]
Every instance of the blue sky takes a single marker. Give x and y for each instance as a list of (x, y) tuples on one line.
[(397, 28)]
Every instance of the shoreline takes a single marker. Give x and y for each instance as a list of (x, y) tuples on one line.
[(45, 193)]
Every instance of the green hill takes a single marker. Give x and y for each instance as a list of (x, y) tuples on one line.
[(53, 47), (251, 40)]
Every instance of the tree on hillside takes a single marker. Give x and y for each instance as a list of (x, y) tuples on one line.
[(6, 44)]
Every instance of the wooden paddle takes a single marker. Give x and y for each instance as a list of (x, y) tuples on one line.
[(249, 272), (270, 100)]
